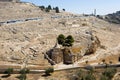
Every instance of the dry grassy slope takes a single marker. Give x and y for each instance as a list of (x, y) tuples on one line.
[(41, 35), (17, 11), (12, 11), (108, 34)]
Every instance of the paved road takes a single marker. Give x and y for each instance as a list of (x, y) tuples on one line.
[(37, 18)]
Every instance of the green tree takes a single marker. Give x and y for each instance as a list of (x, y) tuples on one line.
[(57, 10), (61, 39), (65, 41), (109, 72), (90, 76), (42, 7), (9, 71), (53, 8), (49, 70), (63, 9), (24, 71), (103, 77), (22, 77), (69, 41), (47, 10), (49, 7)]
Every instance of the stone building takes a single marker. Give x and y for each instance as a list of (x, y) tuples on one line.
[(57, 55), (66, 55), (10, 0), (70, 56)]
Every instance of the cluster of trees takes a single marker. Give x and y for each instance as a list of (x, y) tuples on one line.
[(47, 9), (25, 71), (107, 74), (65, 41), (22, 72)]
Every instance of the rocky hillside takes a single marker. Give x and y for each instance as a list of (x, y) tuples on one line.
[(14, 11), (38, 36), (30, 38), (114, 17)]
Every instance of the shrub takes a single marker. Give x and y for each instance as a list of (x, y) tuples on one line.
[(57, 10), (89, 77), (42, 7), (109, 72), (49, 70), (22, 77), (80, 74), (9, 71), (61, 39), (84, 24), (103, 78), (49, 7), (47, 10), (63, 9), (24, 71)]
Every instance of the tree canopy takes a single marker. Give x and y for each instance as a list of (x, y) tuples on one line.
[(65, 41)]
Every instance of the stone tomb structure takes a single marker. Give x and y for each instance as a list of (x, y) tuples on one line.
[(66, 55)]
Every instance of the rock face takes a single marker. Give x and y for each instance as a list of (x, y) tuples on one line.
[(68, 56), (93, 46)]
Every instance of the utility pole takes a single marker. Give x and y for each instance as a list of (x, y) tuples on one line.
[(94, 12)]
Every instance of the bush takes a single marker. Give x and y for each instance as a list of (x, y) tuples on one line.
[(103, 78), (9, 71), (22, 77), (42, 7), (89, 77), (24, 71), (49, 7), (47, 10), (90, 68), (109, 72), (80, 74), (49, 70), (84, 24), (57, 10), (61, 39), (63, 9)]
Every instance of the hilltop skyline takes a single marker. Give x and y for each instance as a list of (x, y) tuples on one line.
[(81, 6)]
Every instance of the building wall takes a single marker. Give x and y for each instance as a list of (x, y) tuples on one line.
[(57, 55)]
